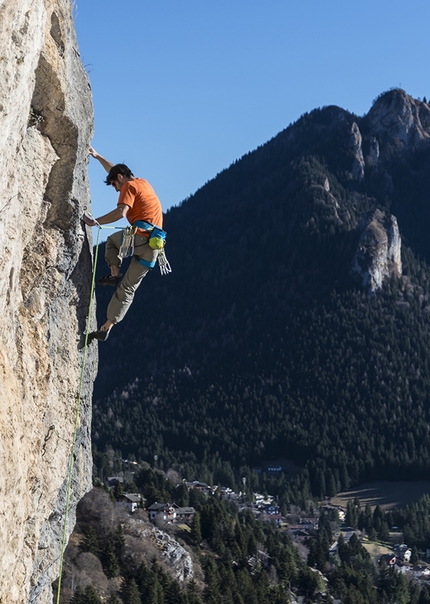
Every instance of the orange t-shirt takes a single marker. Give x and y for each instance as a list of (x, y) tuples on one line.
[(142, 200)]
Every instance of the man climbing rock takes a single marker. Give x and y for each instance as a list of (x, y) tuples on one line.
[(140, 205)]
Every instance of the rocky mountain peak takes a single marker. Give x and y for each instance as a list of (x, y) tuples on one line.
[(397, 116)]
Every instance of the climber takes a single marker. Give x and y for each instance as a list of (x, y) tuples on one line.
[(140, 205)]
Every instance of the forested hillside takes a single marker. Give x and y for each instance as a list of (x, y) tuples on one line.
[(262, 344), (234, 558)]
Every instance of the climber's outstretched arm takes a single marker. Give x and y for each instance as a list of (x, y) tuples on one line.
[(107, 165)]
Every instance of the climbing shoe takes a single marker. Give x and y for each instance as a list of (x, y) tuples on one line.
[(99, 335), (109, 280)]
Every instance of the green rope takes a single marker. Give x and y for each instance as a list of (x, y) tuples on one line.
[(78, 407)]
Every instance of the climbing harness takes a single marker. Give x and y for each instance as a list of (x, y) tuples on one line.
[(157, 237), (156, 241)]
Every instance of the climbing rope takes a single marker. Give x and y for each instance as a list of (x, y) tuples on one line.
[(78, 407), (165, 269)]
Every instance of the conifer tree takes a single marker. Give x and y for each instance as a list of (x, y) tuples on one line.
[(131, 593), (110, 561), (119, 542), (192, 593), (78, 596), (90, 541), (196, 531), (87, 596)]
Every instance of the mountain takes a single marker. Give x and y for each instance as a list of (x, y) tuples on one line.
[(294, 327)]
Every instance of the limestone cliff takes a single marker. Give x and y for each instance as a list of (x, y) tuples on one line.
[(46, 124), (379, 251), (399, 120)]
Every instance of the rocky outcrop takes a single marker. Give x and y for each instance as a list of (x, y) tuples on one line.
[(373, 156), (356, 140), (46, 124), (178, 558), (397, 117), (379, 251)]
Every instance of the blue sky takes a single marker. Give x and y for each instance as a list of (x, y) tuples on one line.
[(183, 88)]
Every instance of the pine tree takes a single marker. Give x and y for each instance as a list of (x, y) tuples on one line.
[(393, 587), (196, 532), (87, 596), (414, 555), (118, 490), (192, 593), (131, 593), (90, 596), (252, 545), (240, 539), (211, 593), (90, 541), (119, 542), (352, 514), (182, 495), (110, 561), (78, 596)]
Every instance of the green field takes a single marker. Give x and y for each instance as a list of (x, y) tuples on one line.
[(386, 494)]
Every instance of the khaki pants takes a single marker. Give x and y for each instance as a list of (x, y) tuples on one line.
[(124, 294)]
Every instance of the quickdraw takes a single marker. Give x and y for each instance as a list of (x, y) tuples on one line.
[(163, 263), (127, 244)]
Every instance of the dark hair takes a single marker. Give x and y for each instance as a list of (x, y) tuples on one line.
[(118, 169)]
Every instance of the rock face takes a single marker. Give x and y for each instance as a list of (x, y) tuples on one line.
[(397, 126), (379, 252), (398, 118), (46, 124), (178, 557), (356, 146)]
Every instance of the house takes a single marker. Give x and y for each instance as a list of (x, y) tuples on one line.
[(407, 555), (272, 509), (299, 534), (307, 523), (274, 518), (341, 511), (403, 551), (185, 514), (132, 501), (203, 487), (229, 494), (200, 486), (333, 548), (166, 511), (387, 560), (114, 480), (296, 530)]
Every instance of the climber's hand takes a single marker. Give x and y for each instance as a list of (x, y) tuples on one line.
[(89, 221)]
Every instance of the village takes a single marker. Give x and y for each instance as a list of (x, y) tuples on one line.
[(302, 527)]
